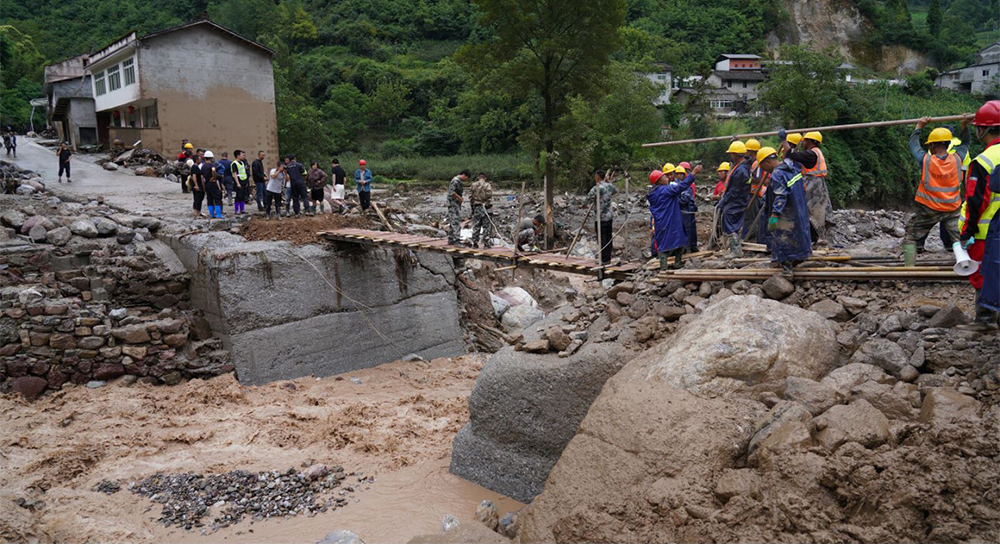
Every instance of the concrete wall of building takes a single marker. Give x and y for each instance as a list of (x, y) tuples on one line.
[(151, 139), (81, 114), (211, 88)]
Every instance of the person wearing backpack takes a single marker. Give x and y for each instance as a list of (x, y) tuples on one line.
[(482, 194)]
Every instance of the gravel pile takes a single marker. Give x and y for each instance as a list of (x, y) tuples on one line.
[(227, 498)]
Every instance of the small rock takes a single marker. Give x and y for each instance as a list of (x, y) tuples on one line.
[(487, 513), (59, 236), (776, 287), (37, 233), (830, 309), (29, 386), (95, 384), (315, 472), (83, 228), (558, 339), (105, 226), (948, 317), (817, 397), (856, 422), (356, 381), (449, 522), (928, 311), (125, 237), (118, 313), (341, 537), (908, 373), (537, 346), (110, 166), (172, 378)]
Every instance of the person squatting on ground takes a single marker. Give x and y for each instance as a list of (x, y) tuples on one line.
[(529, 232), (689, 207), (788, 222), (455, 199), (603, 224), (297, 181), (275, 188), (259, 180), (336, 197), (984, 226), (665, 205), (241, 181), (939, 194), (64, 154), (197, 183), (734, 201), (317, 180), (363, 179), (213, 185), (482, 224)]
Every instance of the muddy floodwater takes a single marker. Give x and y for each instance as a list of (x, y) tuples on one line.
[(395, 425)]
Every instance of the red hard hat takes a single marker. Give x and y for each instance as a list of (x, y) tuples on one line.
[(988, 115), (685, 165), (655, 176), (362, 162)]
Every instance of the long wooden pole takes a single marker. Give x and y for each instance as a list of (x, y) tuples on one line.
[(804, 130), (517, 224)]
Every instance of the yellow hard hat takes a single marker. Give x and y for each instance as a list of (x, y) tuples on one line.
[(939, 135), (724, 167), (669, 168), (794, 138), (680, 170), (737, 147), (188, 146), (753, 145), (814, 136), (764, 153)]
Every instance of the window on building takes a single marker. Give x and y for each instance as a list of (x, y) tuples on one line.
[(129, 68), (99, 86), (986, 73), (149, 119), (744, 84), (114, 78), (729, 84)]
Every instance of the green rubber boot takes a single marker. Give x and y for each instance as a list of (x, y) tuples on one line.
[(910, 255)]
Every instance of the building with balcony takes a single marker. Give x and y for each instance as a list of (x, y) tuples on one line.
[(976, 78), (197, 81), (70, 102)]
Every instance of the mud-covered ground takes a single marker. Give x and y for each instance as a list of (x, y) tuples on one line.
[(396, 425)]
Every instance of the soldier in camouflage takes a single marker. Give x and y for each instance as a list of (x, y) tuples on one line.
[(455, 200), (482, 194)]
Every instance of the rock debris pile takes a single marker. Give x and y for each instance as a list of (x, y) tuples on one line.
[(220, 500)]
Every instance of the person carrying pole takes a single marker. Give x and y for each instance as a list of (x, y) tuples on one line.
[(985, 169), (734, 200), (788, 222), (664, 203), (482, 196), (939, 194), (689, 208), (758, 184)]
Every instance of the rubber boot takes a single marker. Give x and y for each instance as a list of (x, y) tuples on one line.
[(735, 246), (678, 263), (787, 269), (322, 208), (910, 255)]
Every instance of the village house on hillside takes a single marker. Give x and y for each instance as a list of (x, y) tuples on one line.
[(976, 78), (197, 81)]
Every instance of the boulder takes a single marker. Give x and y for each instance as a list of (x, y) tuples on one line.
[(520, 317), (844, 379), (24, 190), (516, 296), (499, 305), (777, 287), (858, 422), (110, 166), (882, 353), (745, 342), (58, 236), (29, 386), (13, 219), (815, 396), (83, 228), (37, 233), (885, 399), (776, 420), (558, 339), (945, 406), (947, 317), (830, 309), (105, 226), (523, 410)]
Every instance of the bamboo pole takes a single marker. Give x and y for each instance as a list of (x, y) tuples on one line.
[(830, 128)]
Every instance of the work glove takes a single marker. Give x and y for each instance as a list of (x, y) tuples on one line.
[(967, 239), (772, 224)]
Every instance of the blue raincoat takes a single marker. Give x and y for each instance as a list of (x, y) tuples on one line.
[(664, 204), (989, 297), (735, 199), (791, 241), (767, 203), (688, 210)]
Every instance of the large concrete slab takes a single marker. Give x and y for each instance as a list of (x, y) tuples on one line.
[(289, 311)]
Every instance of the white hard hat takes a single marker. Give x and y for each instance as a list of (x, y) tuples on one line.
[(209, 155)]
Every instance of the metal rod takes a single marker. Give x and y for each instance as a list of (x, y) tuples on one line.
[(517, 224), (803, 130)]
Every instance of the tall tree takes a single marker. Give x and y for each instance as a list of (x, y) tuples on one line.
[(807, 90), (549, 50), (934, 17)]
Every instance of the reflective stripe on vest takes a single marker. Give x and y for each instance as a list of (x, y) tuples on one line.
[(792, 181), (984, 219), (940, 183), (819, 170), (240, 171)]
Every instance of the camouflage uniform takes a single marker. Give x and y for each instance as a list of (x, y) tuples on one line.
[(481, 193), (454, 210)]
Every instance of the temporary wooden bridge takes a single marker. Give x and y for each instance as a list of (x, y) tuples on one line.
[(548, 260), (823, 266)]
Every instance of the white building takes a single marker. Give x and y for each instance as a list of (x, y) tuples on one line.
[(976, 78), (663, 77)]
